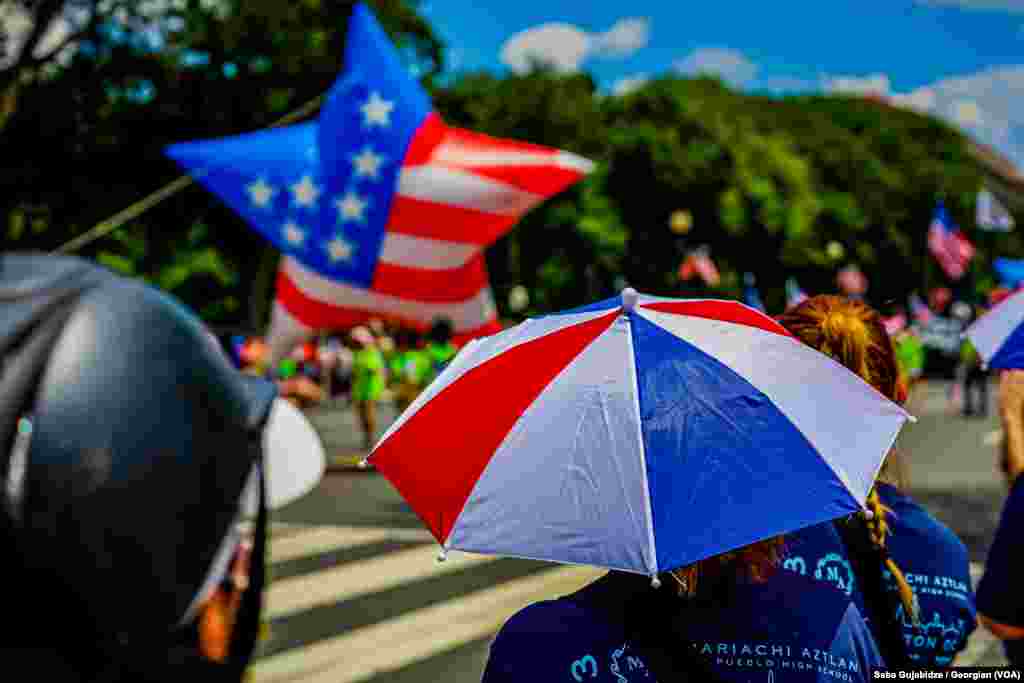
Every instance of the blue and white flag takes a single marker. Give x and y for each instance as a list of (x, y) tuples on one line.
[(992, 215)]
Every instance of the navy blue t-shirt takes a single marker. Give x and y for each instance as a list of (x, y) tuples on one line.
[(757, 634), (933, 560), (1000, 597)]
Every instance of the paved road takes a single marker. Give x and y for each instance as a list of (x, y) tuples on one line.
[(358, 595)]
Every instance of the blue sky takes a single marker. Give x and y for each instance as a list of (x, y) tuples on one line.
[(962, 60)]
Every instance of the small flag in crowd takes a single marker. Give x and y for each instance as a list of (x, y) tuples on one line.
[(379, 208), (948, 244), (919, 309), (698, 263), (852, 282), (751, 296), (895, 324), (794, 295), (992, 215)]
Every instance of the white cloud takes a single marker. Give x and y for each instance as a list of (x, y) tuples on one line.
[(985, 104), (623, 39), (922, 100), (1016, 6), (967, 113), (874, 84), (628, 84), (730, 65), (789, 84), (564, 47)]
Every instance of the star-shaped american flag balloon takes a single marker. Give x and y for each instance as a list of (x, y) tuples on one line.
[(379, 208)]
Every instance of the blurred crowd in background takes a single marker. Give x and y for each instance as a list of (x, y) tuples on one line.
[(387, 362), (929, 343), (360, 367)]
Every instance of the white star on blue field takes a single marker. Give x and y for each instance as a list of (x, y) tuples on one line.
[(962, 60)]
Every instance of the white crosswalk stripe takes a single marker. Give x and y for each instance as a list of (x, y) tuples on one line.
[(359, 654), (292, 542), (349, 581)]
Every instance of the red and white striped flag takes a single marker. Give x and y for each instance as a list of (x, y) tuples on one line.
[(698, 263), (706, 268), (948, 244), (449, 204)]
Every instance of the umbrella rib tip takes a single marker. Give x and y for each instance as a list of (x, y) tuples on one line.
[(629, 299)]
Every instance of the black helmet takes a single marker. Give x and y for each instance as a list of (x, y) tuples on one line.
[(130, 439)]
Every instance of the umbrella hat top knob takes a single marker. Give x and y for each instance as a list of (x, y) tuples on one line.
[(629, 299)]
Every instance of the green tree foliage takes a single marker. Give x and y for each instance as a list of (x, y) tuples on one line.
[(86, 138)]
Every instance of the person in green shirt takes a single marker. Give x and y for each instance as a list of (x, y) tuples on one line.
[(368, 378), (440, 349), (410, 368), (910, 356), (287, 368)]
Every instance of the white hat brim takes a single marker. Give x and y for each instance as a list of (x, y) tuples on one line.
[(293, 455)]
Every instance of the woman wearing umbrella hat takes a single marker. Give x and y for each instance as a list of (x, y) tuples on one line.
[(132, 449), (649, 435), (921, 624), (867, 570)]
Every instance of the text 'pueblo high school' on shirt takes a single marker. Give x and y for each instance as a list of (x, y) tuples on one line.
[(750, 632), (934, 561)]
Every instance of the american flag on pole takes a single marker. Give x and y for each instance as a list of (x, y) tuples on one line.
[(949, 246), (379, 208)]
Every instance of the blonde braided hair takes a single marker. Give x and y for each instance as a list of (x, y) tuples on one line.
[(852, 333), (879, 530)]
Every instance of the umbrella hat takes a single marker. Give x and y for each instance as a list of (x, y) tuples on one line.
[(999, 334), (638, 433)]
